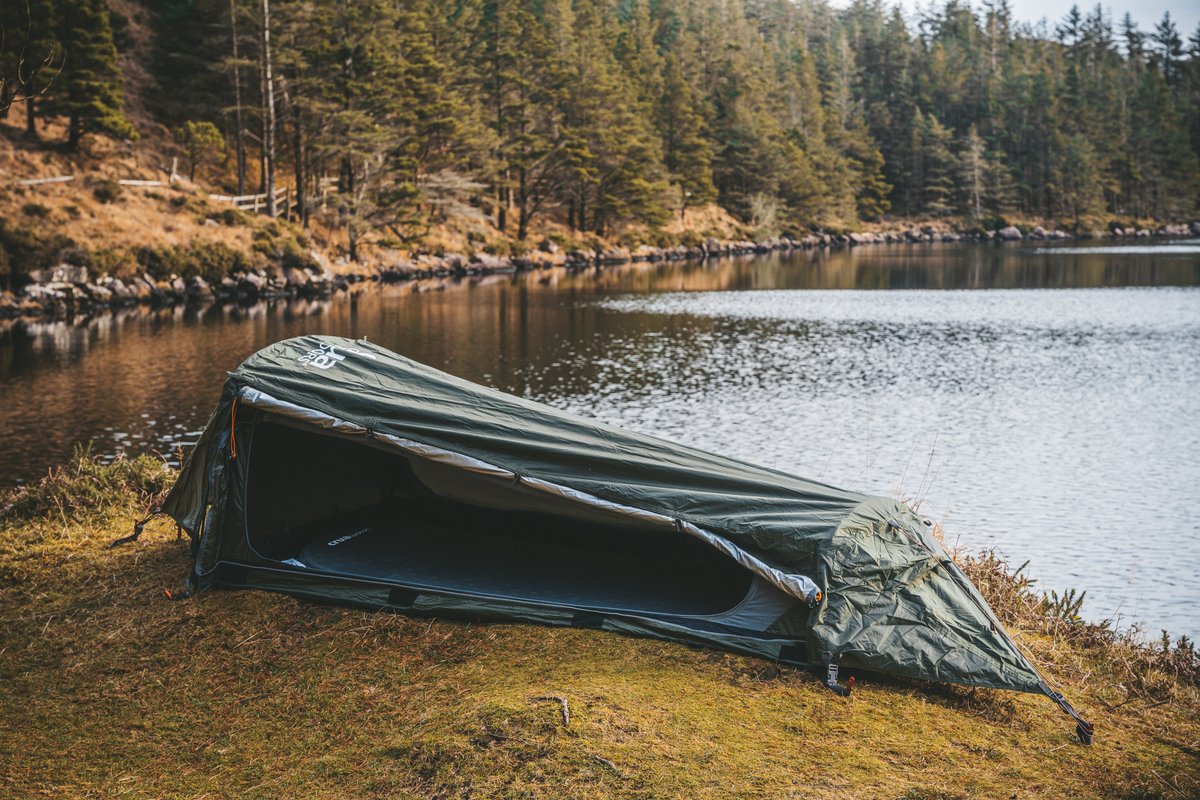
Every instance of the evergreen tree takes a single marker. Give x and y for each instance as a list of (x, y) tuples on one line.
[(599, 113), (1168, 49), (687, 154), (973, 171), (938, 168), (89, 91)]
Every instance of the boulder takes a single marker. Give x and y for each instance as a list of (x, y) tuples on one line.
[(43, 295), (1143, 233), (9, 305), (579, 258), (61, 273), (487, 262), (97, 294), (1196, 228), (142, 288), (614, 255), (1037, 233), (120, 292), (198, 288), (646, 252), (296, 278), (455, 261), (1009, 234), (548, 246), (251, 285)]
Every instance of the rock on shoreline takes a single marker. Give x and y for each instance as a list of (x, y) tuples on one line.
[(66, 289)]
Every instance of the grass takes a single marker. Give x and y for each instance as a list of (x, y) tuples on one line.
[(108, 689)]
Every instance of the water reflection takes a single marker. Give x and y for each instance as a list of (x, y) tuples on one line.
[(1048, 422)]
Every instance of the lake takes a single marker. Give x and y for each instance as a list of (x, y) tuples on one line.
[(1042, 400)]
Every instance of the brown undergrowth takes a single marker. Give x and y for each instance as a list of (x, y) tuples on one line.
[(109, 689)]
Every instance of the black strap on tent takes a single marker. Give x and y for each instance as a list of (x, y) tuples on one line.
[(1083, 729), (138, 527), (831, 676)]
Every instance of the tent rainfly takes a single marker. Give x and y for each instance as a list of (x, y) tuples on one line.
[(337, 470)]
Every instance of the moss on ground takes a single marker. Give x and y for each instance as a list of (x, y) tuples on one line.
[(109, 689)]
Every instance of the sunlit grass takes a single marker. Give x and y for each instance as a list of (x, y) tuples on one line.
[(109, 689)]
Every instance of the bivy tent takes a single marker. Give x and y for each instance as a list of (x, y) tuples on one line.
[(336, 470)]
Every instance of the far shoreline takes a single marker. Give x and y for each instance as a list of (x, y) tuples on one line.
[(64, 292)]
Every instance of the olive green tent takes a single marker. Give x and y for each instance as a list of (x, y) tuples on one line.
[(338, 470)]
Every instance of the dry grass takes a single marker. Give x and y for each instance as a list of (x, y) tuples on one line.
[(92, 228), (108, 689)]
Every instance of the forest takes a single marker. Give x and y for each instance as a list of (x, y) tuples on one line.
[(789, 114)]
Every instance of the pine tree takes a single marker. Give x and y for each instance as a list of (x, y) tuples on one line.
[(625, 178), (89, 91), (973, 171), (1076, 178), (1169, 49), (686, 153), (938, 167)]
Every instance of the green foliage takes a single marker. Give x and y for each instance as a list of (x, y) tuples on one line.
[(283, 248), (201, 142), (107, 191), (36, 210), (598, 113), (89, 90), (28, 247), (87, 487), (210, 260), (232, 217)]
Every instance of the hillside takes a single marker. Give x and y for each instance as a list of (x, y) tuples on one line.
[(107, 688), (401, 129)]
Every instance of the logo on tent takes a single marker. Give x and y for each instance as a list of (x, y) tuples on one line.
[(347, 537), (326, 356)]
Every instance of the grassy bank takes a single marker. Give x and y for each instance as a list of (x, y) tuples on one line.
[(109, 689)]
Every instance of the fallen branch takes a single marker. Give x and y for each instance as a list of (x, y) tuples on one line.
[(566, 711)]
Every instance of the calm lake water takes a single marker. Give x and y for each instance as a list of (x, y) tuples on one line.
[(1041, 400)]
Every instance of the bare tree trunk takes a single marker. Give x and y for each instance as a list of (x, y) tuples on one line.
[(30, 119), (237, 100), (297, 148), (523, 212), (269, 117)]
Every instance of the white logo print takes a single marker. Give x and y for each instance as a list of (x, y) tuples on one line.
[(326, 356), (347, 537)]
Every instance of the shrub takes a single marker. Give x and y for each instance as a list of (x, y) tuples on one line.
[(208, 260), (283, 248), (230, 216), (30, 246), (35, 210), (107, 191), (85, 486)]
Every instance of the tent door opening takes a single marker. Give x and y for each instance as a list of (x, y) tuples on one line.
[(347, 507)]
